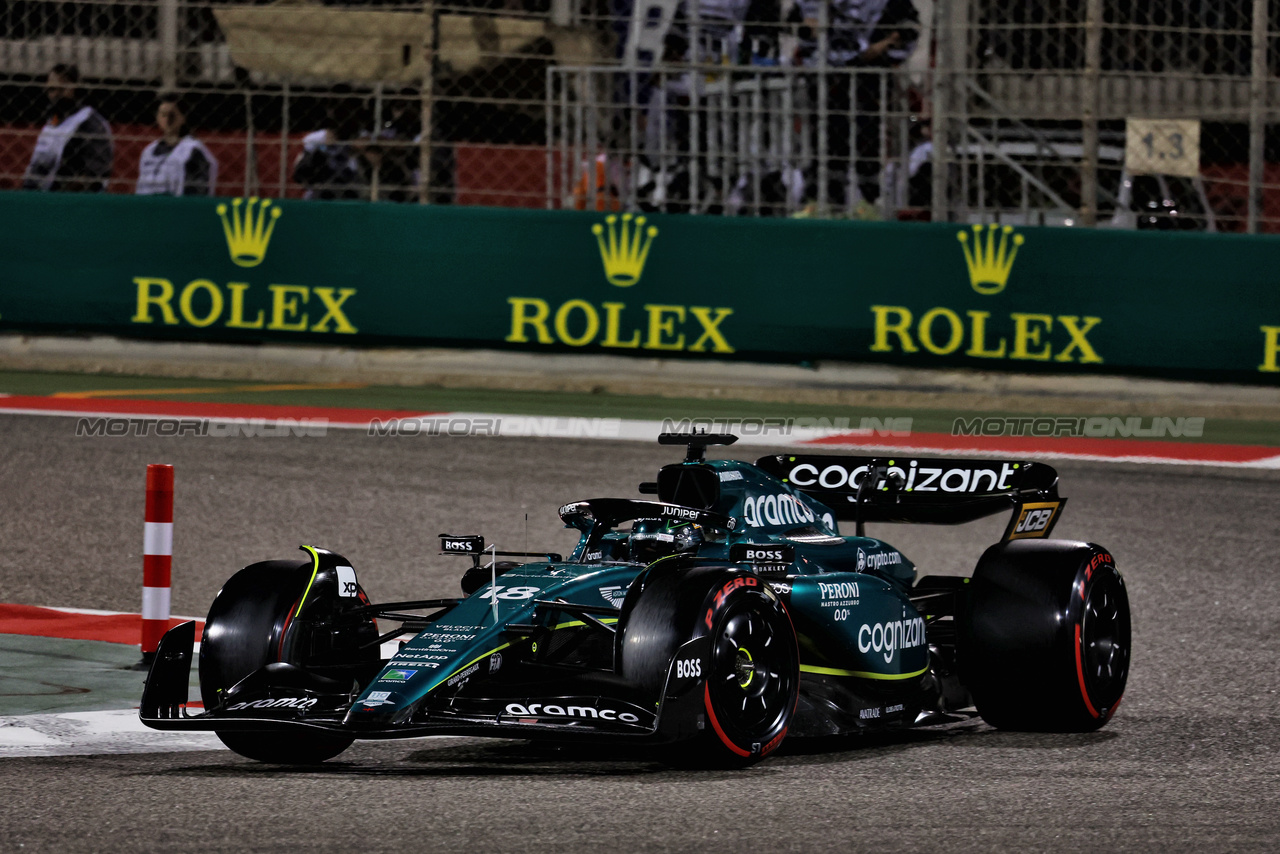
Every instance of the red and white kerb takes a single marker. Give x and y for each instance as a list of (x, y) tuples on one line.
[(157, 556)]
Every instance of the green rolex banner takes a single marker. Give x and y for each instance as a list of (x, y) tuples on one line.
[(359, 274)]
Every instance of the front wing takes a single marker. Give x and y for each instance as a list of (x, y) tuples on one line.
[(283, 698)]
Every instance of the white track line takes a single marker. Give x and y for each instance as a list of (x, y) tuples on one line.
[(93, 733), (437, 424)]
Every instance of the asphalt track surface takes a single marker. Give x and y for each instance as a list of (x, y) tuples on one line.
[(1190, 763)]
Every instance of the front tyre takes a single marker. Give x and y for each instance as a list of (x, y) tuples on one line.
[(750, 676), (1046, 640), (248, 628)]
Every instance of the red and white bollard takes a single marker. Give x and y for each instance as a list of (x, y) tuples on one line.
[(157, 558)]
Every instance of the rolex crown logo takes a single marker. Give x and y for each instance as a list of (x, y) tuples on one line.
[(991, 258), (623, 249), (248, 231)]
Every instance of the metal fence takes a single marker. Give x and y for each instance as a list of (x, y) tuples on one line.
[(1113, 113), (1109, 112), (748, 141), (306, 100)]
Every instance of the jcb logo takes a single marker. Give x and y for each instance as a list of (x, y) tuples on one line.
[(1035, 520)]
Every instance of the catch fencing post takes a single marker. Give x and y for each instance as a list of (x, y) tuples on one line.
[(157, 559)]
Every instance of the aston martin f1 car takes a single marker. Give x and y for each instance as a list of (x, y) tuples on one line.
[(710, 621)]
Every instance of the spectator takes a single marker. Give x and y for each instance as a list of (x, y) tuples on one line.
[(176, 164), (863, 34), (392, 152), (329, 167), (74, 151)]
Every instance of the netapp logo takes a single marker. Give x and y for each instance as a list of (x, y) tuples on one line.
[(537, 710)]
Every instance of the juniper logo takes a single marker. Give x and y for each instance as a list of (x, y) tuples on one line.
[(990, 258), (248, 231), (624, 247)]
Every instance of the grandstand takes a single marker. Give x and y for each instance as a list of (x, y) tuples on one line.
[(1109, 112)]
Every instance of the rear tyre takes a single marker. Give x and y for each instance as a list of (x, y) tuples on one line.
[(751, 674), (1045, 642), (244, 632)]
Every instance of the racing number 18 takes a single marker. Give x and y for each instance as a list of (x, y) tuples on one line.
[(510, 592)]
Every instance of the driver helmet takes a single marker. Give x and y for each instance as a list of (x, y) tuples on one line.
[(652, 539)]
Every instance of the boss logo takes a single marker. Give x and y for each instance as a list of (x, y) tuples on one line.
[(688, 668), (461, 545), (761, 554)]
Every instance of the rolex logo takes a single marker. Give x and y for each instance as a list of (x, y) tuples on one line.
[(990, 258), (249, 230), (624, 248)]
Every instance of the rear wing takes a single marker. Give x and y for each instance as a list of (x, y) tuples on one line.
[(926, 490)]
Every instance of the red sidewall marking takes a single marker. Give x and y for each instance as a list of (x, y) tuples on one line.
[(715, 724), (1084, 692), (711, 713)]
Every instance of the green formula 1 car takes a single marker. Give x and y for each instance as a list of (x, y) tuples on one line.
[(711, 623)]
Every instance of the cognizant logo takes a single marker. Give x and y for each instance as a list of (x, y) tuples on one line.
[(888, 638)]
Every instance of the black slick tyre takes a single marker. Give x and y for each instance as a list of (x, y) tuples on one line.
[(244, 631), (750, 669), (1045, 642)]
